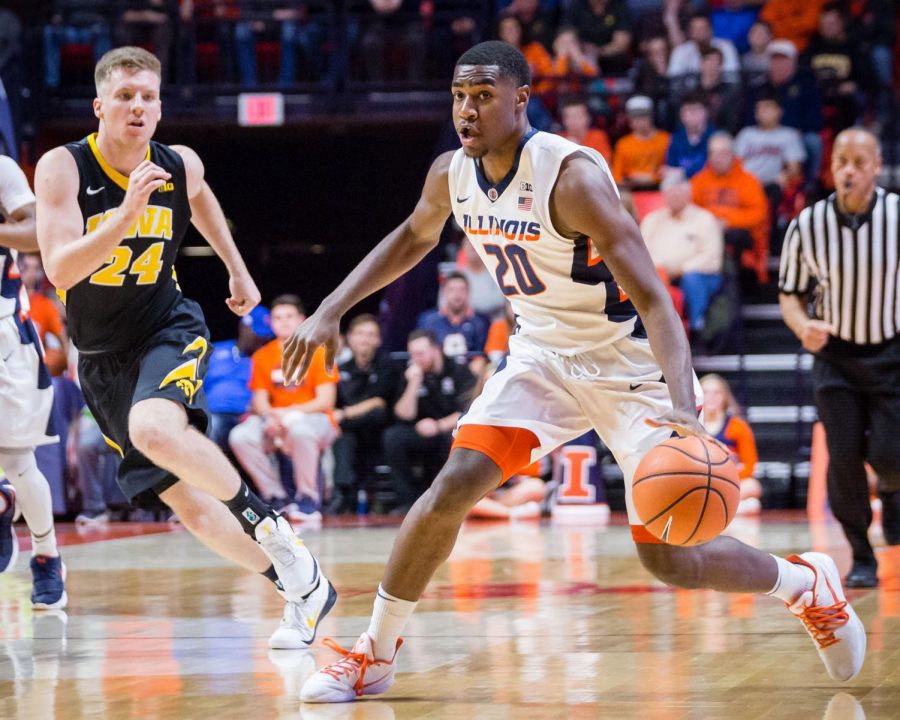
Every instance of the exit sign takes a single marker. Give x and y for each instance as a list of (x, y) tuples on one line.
[(260, 109)]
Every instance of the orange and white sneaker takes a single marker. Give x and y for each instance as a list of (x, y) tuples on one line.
[(356, 674), (829, 619)]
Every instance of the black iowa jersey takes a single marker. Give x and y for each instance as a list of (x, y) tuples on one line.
[(130, 296)]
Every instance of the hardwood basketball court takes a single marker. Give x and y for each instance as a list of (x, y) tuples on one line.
[(527, 620)]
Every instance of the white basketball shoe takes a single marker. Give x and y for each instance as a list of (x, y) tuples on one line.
[(356, 674), (831, 622), (295, 566), (301, 619)]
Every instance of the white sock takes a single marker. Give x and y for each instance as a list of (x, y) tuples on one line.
[(389, 617), (33, 496), (793, 580)]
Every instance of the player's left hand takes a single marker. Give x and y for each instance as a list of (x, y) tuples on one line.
[(244, 294)]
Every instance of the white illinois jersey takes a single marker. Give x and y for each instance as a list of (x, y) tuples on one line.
[(563, 294)]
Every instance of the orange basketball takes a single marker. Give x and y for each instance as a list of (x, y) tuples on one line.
[(686, 490)]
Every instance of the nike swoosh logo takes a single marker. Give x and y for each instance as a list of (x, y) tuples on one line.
[(92, 191), (634, 386), (312, 621), (462, 200)]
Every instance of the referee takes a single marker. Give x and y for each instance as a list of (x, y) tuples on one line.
[(845, 250)]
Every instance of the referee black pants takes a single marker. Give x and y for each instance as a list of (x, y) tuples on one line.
[(857, 390)]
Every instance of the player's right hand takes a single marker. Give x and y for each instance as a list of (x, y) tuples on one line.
[(317, 330), (144, 180), (815, 335)]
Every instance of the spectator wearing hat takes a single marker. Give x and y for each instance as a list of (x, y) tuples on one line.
[(687, 150), (226, 380), (576, 120), (799, 98), (737, 199), (685, 241), (640, 155)]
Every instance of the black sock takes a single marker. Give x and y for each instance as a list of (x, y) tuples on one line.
[(249, 509), (273, 576)]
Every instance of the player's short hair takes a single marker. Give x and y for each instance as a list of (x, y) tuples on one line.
[(127, 58), (416, 334), (511, 62), (456, 275), (362, 320), (289, 299)]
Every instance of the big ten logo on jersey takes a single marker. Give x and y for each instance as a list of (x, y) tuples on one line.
[(156, 222), (580, 481)]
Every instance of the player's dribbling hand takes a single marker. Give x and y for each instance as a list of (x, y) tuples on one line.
[(144, 180), (317, 330), (244, 294), (815, 335), (685, 423)]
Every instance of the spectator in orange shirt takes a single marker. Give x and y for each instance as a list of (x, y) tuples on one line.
[(44, 314), (639, 156), (738, 200), (722, 419), (511, 30), (297, 419), (570, 64), (794, 20), (576, 120)]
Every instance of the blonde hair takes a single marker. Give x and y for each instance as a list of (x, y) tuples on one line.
[(731, 405), (132, 59)]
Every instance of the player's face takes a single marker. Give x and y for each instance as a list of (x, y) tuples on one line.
[(486, 108), (129, 107), (364, 339), (855, 163), (285, 319)]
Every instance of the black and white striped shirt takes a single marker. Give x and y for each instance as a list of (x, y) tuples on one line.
[(855, 262)]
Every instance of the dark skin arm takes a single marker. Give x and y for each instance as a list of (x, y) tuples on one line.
[(394, 255), (584, 202)]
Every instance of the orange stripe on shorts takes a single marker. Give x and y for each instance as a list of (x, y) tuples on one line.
[(509, 447), (640, 534)]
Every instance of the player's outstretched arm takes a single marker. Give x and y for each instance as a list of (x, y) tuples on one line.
[(393, 256), (585, 202), (208, 218), (68, 254)]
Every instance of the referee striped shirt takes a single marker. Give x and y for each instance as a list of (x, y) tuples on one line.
[(855, 263)]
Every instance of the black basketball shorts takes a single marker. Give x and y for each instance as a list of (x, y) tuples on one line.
[(170, 364)]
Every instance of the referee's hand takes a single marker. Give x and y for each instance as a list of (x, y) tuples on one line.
[(815, 335)]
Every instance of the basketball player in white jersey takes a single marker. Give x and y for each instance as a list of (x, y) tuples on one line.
[(598, 345)]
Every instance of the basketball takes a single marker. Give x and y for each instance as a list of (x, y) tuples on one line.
[(686, 490)]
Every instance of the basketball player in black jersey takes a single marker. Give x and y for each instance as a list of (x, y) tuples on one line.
[(113, 209)]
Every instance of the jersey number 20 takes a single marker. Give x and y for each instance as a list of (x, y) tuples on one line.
[(516, 258), (147, 266)]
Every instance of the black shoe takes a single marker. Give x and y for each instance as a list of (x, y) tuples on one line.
[(862, 576), (890, 516)]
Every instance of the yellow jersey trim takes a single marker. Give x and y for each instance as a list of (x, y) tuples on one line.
[(114, 446), (113, 174)]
